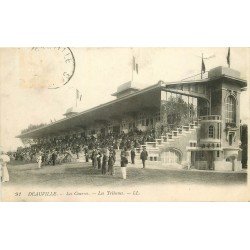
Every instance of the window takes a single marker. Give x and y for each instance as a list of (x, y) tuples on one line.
[(168, 94), (218, 153), (230, 109), (211, 131), (231, 136)]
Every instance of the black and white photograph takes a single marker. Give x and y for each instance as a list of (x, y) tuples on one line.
[(124, 124)]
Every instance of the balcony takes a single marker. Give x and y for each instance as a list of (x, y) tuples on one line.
[(210, 145), (210, 141), (210, 118), (231, 126)]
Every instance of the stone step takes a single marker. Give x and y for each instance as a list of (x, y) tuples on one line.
[(169, 140), (175, 133), (187, 132), (164, 140)]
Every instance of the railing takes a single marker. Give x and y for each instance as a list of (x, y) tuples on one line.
[(210, 118), (196, 77), (191, 122), (231, 125), (211, 145)]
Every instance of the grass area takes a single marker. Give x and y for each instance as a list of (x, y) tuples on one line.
[(83, 174)]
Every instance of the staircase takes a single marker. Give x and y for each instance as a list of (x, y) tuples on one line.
[(179, 139)]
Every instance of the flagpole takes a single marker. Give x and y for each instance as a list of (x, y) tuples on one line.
[(76, 97), (201, 64), (132, 78), (228, 57)]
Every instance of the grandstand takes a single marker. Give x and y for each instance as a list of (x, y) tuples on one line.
[(193, 123)]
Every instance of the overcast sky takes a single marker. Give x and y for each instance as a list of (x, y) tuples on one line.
[(97, 74)]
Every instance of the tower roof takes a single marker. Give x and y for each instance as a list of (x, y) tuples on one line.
[(125, 89)]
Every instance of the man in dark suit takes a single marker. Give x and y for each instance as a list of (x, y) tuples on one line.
[(113, 153), (144, 157), (86, 151), (54, 155), (104, 162), (99, 158), (132, 154)]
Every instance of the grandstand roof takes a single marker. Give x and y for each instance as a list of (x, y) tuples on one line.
[(148, 98)]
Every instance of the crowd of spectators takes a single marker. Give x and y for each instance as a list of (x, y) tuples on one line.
[(71, 146)]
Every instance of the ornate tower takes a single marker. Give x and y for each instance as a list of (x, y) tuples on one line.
[(222, 126)]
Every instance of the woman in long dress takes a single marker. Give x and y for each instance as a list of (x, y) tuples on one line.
[(4, 158), (39, 160)]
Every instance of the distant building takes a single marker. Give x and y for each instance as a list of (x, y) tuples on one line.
[(197, 122)]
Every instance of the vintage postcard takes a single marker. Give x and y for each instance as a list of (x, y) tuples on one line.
[(124, 124)]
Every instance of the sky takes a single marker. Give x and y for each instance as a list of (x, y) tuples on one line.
[(98, 73)]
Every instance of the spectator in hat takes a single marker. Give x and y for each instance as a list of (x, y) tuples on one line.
[(54, 156), (99, 159), (113, 153), (104, 162), (124, 162), (132, 155), (94, 158), (86, 154), (111, 162), (144, 157)]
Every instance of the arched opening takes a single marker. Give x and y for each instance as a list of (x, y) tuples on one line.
[(231, 159), (203, 107), (171, 156)]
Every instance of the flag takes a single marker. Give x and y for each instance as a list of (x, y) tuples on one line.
[(135, 65), (203, 68), (228, 57), (78, 95)]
